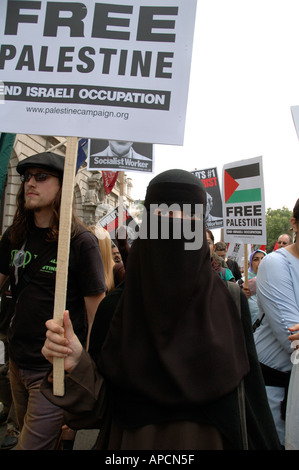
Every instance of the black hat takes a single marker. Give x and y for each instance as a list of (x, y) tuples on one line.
[(46, 160), (175, 186)]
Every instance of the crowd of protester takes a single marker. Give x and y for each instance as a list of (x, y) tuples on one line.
[(163, 347)]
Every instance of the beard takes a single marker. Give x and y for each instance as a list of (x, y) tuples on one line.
[(32, 204)]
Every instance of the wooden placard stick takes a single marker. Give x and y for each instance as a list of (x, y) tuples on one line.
[(57, 146), (121, 199), (246, 264), (63, 250)]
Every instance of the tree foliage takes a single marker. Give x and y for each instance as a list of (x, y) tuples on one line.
[(277, 222)]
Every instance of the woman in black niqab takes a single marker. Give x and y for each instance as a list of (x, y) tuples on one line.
[(176, 340), (177, 348)]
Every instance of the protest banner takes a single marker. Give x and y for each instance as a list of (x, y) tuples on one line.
[(117, 155), (244, 204), (209, 177), (96, 69), (235, 252), (117, 217)]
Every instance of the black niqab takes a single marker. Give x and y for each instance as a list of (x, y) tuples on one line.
[(176, 338)]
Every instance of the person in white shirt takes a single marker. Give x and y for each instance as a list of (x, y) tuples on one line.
[(278, 298)]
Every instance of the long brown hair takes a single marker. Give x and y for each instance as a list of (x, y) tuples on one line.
[(23, 221)]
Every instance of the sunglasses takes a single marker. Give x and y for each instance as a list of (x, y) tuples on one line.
[(37, 176)]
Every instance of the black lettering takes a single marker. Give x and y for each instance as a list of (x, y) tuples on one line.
[(7, 52), (137, 61), (122, 62), (238, 211), (26, 59), (85, 59), (161, 64), (247, 210), (101, 20), (64, 58), (13, 16), (257, 210), (147, 23), (107, 58), (53, 21), (43, 67)]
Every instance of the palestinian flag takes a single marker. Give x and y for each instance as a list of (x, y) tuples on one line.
[(242, 184)]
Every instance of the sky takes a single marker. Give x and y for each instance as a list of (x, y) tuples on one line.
[(244, 79)]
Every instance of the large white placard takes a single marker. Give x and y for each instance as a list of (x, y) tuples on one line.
[(111, 70), (244, 202)]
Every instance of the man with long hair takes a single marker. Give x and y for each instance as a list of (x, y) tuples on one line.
[(28, 255)]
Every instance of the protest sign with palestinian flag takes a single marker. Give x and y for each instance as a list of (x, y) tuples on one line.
[(244, 202)]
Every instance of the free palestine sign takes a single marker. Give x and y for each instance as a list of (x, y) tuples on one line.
[(244, 202), (111, 70)]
